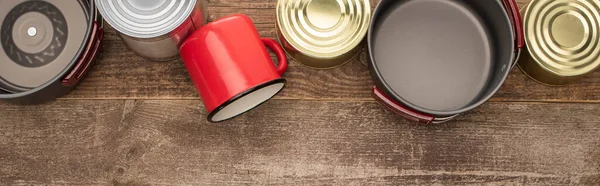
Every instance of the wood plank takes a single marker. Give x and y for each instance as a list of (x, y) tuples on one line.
[(84, 142), (63, 143), (120, 74)]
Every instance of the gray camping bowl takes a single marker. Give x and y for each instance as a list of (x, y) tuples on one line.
[(434, 59)]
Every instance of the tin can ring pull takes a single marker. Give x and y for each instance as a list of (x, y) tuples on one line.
[(278, 50)]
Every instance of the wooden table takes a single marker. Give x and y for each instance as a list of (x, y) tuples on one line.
[(136, 122)]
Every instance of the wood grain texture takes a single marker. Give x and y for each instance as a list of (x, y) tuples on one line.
[(137, 122), (120, 74), (126, 142)]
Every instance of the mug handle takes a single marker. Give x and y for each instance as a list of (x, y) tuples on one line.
[(278, 50)]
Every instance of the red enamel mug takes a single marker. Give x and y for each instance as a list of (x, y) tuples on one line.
[(231, 67)]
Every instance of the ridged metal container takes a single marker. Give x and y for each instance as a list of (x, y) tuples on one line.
[(154, 29), (323, 34), (562, 40)]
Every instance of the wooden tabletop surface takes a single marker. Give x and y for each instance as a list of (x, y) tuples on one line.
[(137, 122)]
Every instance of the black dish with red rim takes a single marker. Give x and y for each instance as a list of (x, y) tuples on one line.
[(434, 59), (47, 47)]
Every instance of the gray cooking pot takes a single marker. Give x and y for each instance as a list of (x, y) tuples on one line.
[(434, 59)]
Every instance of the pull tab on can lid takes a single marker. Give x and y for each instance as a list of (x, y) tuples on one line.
[(323, 29), (562, 37), (145, 18)]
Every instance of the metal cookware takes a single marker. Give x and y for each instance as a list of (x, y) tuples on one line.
[(47, 47), (322, 33), (154, 29), (434, 59), (562, 40)]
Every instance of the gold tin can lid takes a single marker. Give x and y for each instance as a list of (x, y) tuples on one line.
[(562, 39), (323, 33)]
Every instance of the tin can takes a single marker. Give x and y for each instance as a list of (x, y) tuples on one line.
[(323, 34), (154, 29), (562, 40)]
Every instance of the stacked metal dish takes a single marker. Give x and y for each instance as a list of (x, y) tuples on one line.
[(47, 47)]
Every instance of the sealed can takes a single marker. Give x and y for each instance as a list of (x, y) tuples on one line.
[(323, 34), (562, 40), (154, 29)]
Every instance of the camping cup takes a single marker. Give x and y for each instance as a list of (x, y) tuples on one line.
[(231, 67)]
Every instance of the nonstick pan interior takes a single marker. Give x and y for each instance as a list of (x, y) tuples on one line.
[(441, 57)]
